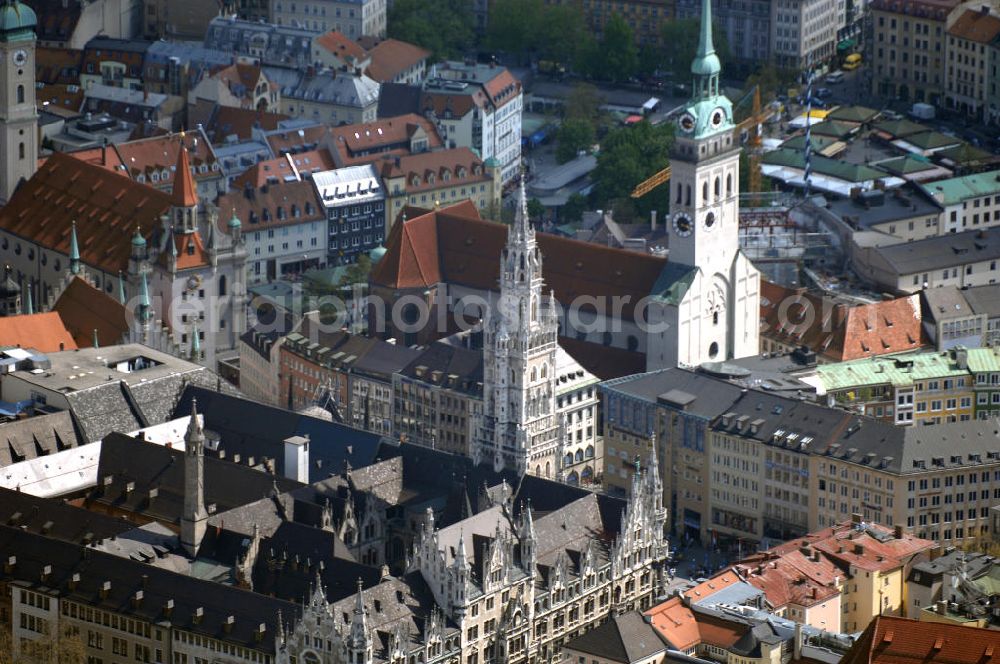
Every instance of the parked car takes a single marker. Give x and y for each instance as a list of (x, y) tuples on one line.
[(823, 93), (835, 77)]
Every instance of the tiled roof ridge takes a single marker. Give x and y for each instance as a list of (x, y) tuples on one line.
[(184, 192)]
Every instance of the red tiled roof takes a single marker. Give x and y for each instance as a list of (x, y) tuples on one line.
[(44, 332), (105, 157), (160, 154), (976, 26), (184, 193), (502, 88), (191, 251), (60, 99), (926, 9), (341, 46), (280, 204), (293, 140), (283, 167), (676, 623), (84, 309), (837, 331), (453, 162), (893, 640), (712, 586), (784, 581), (58, 65), (364, 142), (455, 245), (241, 74), (718, 631), (848, 543), (229, 120), (391, 57), (106, 207)]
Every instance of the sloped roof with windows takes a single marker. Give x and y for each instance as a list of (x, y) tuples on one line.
[(105, 206)]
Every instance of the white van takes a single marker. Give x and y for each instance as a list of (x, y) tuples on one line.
[(835, 77)]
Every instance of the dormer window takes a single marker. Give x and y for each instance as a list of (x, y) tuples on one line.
[(416, 181)]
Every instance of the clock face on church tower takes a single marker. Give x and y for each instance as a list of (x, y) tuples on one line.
[(683, 224), (20, 57)]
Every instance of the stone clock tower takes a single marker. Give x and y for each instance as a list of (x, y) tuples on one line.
[(18, 116), (710, 290)]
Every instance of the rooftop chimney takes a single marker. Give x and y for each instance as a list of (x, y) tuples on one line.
[(297, 458)]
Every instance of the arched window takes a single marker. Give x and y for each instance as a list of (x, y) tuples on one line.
[(715, 318), (704, 192), (222, 285), (20, 94), (579, 456), (20, 150), (680, 193), (718, 187), (688, 201), (729, 185), (534, 374)]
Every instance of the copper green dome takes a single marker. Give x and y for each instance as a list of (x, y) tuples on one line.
[(234, 221), (16, 17), (138, 240)]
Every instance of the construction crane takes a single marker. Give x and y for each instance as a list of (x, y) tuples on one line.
[(754, 121)]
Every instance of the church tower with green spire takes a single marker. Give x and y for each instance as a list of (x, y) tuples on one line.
[(711, 290)]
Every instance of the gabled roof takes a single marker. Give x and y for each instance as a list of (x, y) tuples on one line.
[(625, 638), (391, 57), (676, 623), (37, 436), (836, 330), (341, 46), (160, 154), (43, 331), (893, 640), (106, 207), (191, 252), (84, 309), (455, 245), (135, 467), (58, 65), (229, 120), (975, 25)]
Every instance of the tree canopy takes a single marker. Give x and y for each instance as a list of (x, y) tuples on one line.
[(574, 134), (628, 156), (681, 38), (444, 27), (522, 28)]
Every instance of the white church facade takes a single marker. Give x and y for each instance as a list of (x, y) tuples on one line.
[(709, 293)]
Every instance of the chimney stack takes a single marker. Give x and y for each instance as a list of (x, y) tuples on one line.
[(297, 458)]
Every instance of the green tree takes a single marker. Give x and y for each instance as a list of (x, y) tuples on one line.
[(584, 103), (513, 27), (628, 156), (574, 135), (357, 272), (561, 32), (681, 38), (574, 208), (535, 209), (444, 27), (620, 56)]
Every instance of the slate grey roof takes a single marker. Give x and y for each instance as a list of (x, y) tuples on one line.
[(937, 253), (927, 572), (711, 396), (125, 577), (326, 87), (251, 429), (571, 528), (946, 303), (861, 440), (104, 399), (984, 299), (36, 436), (135, 467), (878, 207), (453, 367), (626, 638), (280, 45), (57, 520)]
